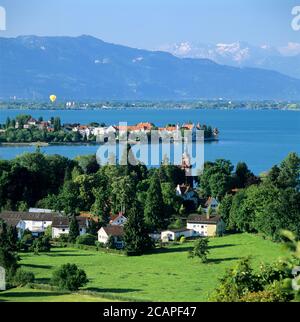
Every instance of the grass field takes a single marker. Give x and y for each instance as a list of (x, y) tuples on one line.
[(167, 275), (32, 295)]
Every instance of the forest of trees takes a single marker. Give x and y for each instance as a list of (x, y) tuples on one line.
[(248, 203)]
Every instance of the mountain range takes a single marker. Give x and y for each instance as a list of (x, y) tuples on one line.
[(85, 67), (284, 59)]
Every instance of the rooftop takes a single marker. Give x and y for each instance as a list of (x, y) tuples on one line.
[(114, 230), (31, 216), (203, 219)]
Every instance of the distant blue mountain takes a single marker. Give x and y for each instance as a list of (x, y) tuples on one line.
[(88, 68)]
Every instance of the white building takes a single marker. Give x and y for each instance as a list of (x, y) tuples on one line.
[(60, 226), (35, 222), (212, 203), (206, 226), (118, 220), (18, 224), (117, 232), (175, 234)]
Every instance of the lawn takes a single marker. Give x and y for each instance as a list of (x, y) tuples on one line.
[(166, 275), (32, 295)]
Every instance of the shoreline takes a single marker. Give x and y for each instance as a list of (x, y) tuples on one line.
[(46, 144)]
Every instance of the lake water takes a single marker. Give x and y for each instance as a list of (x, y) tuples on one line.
[(260, 138)]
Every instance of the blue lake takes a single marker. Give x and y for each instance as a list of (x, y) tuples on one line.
[(260, 138)]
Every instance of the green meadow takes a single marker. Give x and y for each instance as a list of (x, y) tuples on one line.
[(165, 275)]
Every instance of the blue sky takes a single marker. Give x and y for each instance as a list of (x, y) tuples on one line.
[(153, 23)]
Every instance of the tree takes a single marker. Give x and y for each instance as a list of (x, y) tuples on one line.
[(236, 283), (200, 210), (86, 239), (70, 198), (110, 244), (57, 124), (200, 249), (69, 277), (242, 284), (225, 207), (171, 201), (88, 163), (41, 245), (136, 237), (122, 193), (73, 230), (289, 176), (154, 206), (216, 178), (101, 206), (243, 176)]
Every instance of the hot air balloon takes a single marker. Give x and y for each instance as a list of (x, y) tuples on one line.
[(52, 98)]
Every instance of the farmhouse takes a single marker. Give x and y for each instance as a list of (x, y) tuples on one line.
[(208, 226), (212, 203), (187, 193), (60, 226), (115, 231), (174, 234), (118, 220), (16, 223), (35, 222)]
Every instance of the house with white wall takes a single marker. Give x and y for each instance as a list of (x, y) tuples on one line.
[(16, 223), (212, 203), (118, 220), (175, 234), (60, 226), (117, 232), (205, 225), (35, 222)]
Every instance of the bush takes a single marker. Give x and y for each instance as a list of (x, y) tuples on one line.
[(22, 278), (86, 239), (41, 245), (69, 277), (182, 240)]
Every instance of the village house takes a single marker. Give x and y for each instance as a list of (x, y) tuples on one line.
[(175, 234), (205, 225), (32, 122), (116, 232), (211, 203), (60, 226), (83, 130), (16, 223), (118, 220), (35, 222), (187, 193)]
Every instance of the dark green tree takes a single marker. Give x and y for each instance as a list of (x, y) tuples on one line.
[(154, 207), (200, 249), (73, 230), (69, 277), (136, 237)]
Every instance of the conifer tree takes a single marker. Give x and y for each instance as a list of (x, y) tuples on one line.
[(73, 230), (154, 206), (136, 237)]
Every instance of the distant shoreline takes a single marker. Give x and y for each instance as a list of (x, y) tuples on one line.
[(46, 144)]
